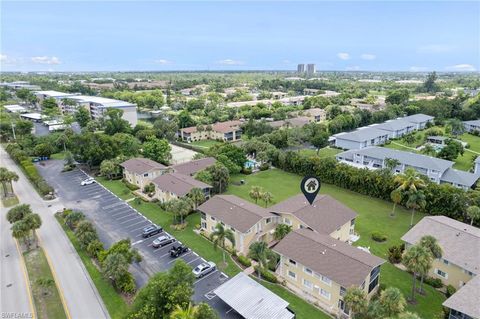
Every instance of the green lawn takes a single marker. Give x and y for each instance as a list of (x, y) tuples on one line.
[(9, 201), (58, 156), (472, 140), (373, 215), (206, 143), (117, 187), (116, 306), (47, 300), (324, 152)]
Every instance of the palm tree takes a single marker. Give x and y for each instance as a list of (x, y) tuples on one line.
[(260, 252), (456, 127), (33, 222), (429, 150), (396, 197), (473, 212), (392, 302), (198, 196), (255, 193), (431, 244), (410, 180), (356, 300), (7, 177), (20, 231), (416, 200), (391, 163), (219, 236), (267, 197), (188, 313), (281, 231), (416, 259)]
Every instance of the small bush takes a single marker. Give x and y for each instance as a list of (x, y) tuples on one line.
[(267, 275), (450, 291), (395, 254), (378, 236), (126, 283), (247, 171), (130, 186), (244, 261), (264, 166), (434, 282)]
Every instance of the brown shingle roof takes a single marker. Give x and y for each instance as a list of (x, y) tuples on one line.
[(325, 215), (192, 167), (140, 165), (466, 298), (178, 184), (234, 211), (460, 242), (340, 262), (222, 127)]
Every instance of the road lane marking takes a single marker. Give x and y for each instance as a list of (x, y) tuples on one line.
[(204, 277), (129, 220), (27, 279)]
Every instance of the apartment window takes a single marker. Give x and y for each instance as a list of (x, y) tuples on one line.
[(307, 284), (325, 294), (292, 262), (441, 273), (307, 270), (212, 218), (327, 280), (445, 262), (145, 175), (232, 229), (223, 224), (292, 275), (352, 222), (268, 221), (343, 291), (212, 228)]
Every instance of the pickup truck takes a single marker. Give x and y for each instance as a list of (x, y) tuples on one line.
[(176, 251)]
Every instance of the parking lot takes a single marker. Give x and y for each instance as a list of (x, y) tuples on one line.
[(116, 220)]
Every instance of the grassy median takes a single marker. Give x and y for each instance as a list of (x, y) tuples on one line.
[(46, 297)]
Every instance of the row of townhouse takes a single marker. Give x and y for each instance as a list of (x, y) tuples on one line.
[(316, 260), (471, 126), (171, 182), (224, 131), (97, 106), (378, 134), (459, 265), (436, 169)]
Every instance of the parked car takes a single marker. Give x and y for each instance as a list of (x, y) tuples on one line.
[(88, 181), (163, 240), (151, 230), (178, 250), (204, 269)]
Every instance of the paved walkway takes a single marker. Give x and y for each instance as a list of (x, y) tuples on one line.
[(76, 287)]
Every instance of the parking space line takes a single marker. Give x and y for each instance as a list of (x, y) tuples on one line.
[(186, 254), (191, 261), (128, 215), (120, 212), (205, 276), (129, 220), (164, 255), (137, 223)]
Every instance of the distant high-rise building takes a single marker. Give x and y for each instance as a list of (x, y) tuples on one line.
[(311, 68), (301, 68)]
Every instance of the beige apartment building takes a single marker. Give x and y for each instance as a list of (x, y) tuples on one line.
[(224, 131), (320, 268), (460, 244), (249, 222), (174, 185), (140, 171), (316, 114)]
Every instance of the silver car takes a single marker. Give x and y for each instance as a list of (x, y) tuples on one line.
[(163, 240), (204, 269)]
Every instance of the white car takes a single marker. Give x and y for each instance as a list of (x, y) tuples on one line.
[(204, 269), (88, 181)]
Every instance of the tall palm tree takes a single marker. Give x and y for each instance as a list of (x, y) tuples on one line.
[(220, 235), (260, 252), (416, 260), (396, 197), (267, 197), (188, 313), (198, 196), (255, 193), (33, 222), (20, 231), (416, 200), (456, 127), (431, 244), (410, 180), (392, 302), (6, 178), (473, 212), (356, 301)]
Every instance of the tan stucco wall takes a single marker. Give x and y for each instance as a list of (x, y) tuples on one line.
[(456, 276), (139, 179)]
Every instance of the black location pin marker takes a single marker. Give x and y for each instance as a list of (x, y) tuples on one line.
[(310, 187)]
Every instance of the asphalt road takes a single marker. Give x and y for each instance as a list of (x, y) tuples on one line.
[(78, 291), (116, 220)]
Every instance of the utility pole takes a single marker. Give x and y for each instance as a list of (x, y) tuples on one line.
[(13, 131)]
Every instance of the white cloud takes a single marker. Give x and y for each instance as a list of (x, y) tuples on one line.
[(352, 68), (230, 62), (368, 56), (3, 57), (163, 61), (8, 60), (418, 68), (45, 60), (343, 56), (461, 67), (434, 48)]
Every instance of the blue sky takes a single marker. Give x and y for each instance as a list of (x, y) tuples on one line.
[(105, 36)]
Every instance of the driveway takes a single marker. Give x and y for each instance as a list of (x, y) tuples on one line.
[(116, 220)]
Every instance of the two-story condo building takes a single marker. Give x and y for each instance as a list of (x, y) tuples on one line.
[(436, 169), (224, 131), (174, 185), (192, 167), (361, 138), (396, 128), (460, 245), (419, 120), (471, 126), (140, 171), (464, 303), (320, 268)]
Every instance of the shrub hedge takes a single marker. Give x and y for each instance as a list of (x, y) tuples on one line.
[(244, 261)]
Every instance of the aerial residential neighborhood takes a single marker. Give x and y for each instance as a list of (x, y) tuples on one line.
[(229, 160)]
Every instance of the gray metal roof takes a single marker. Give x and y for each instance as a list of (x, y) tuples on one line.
[(477, 160), (408, 158), (394, 125), (418, 118), (474, 122), (455, 176), (466, 299), (251, 300), (362, 134), (460, 242)]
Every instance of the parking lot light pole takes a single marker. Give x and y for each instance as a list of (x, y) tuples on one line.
[(13, 131)]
